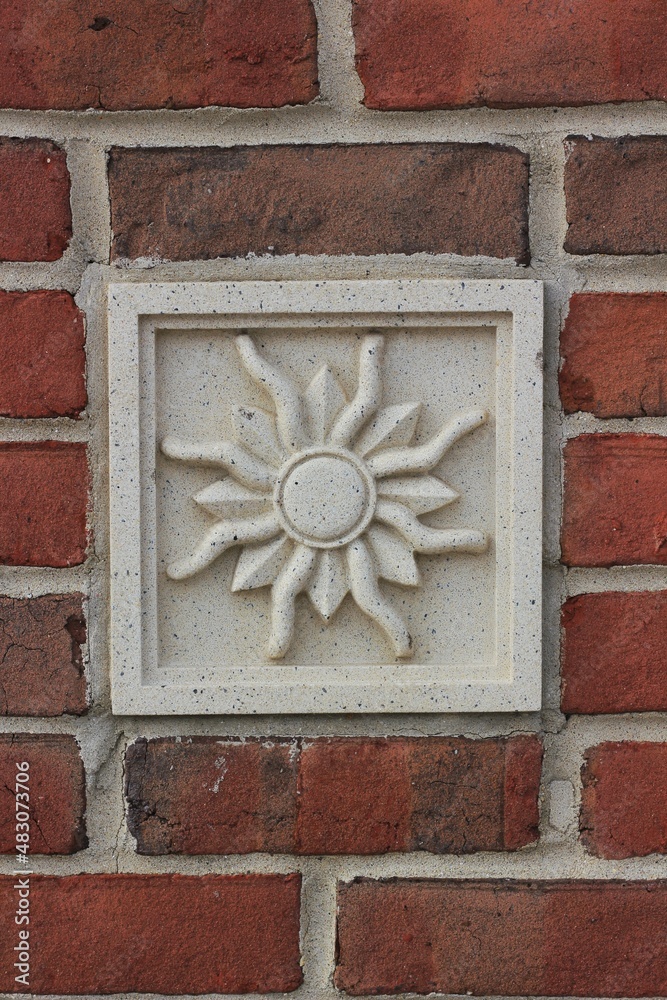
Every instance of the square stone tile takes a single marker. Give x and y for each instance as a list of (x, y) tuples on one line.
[(325, 496)]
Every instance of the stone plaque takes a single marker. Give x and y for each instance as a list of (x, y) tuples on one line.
[(325, 496)]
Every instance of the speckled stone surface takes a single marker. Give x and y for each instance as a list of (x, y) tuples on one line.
[(325, 496)]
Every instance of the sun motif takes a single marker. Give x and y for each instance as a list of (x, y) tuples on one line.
[(324, 495)]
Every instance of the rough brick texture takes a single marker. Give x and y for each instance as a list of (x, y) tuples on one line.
[(614, 653), (602, 939), (333, 796), (41, 664), (35, 216), (624, 799), (43, 514), (614, 351), (57, 793), (615, 501), (172, 934), (42, 358), (181, 204), (616, 194), (470, 53), (129, 54)]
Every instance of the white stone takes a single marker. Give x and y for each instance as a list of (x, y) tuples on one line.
[(325, 496)]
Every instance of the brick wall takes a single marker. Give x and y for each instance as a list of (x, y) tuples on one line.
[(485, 855)]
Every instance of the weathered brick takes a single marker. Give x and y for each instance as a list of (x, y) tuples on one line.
[(57, 793), (128, 54), (35, 215), (172, 934), (444, 795), (614, 358), (182, 204), (614, 510), (614, 653), (42, 358), (616, 195), (471, 53), (204, 795), (579, 938), (624, 800), (43, 514), (41, 665)]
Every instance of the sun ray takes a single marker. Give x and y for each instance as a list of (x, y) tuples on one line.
[(324, 400), (225, 454), (286, 398), (369, 393), (393, 426), (367, 594), (432, 541), (293, 578), (259, 565), (393, 556), (423, 457), (256, 431), (421, 494), (227, 498), (221, 537), (329, 584)]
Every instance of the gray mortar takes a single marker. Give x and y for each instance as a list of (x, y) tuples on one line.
[(337, 116)]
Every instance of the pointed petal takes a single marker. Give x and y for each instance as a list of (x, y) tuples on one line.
[(395, 425), (394, 558), (227, 499), (259, 565), (324, 400), (420, 493), (329, 584), (256, 431)]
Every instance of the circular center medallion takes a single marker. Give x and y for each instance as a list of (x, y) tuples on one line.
[(325, 497)]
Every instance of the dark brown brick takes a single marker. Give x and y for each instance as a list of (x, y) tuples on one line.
[(616, 193), (203, 795), (183, 204), (503, 938), (41, 665)]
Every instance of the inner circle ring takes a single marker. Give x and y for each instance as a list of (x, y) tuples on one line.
[(325, 452)]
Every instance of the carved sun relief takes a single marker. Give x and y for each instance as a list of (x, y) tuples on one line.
[(325, 495)]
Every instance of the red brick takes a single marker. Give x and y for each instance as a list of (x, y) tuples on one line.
[(41, 664), (444, 795), (615, 501), (624, 800), (42, 358), (614, 357), (203, 795), (614, 653), (616, 195), (470, 53), (43, 516), (183, 204), (173, 934), (580, 938), (57, 793), (35, 215), (128, 54)]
